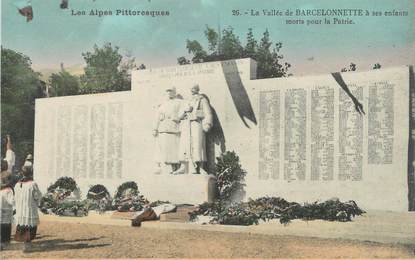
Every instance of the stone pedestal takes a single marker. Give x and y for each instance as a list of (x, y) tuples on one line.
[(179, 189)]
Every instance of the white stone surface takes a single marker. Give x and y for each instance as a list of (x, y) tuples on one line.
[(234, 95)]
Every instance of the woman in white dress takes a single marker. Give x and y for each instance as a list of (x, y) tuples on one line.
[(27, 197)]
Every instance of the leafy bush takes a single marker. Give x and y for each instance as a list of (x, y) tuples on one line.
[(56, 199), (47, 203), (131, 200), (125, 186), (99, 198), (229, 181), (268, 208), (77, 208), (66, 183), (97, 192), (229, 177)]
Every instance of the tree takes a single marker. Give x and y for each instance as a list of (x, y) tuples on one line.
[(251, 46), (352, 67), (376, 66), (195, 48), (182, 61), (20, 85), (105, 71), (213, 38), (228, 46), (63, 84)]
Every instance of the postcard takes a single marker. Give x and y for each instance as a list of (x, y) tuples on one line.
[(207, 129)]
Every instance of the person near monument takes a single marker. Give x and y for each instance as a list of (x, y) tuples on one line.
[(29, 160), (6, 205), (167, 131), (27, 199), (196, 121), (10, 155)]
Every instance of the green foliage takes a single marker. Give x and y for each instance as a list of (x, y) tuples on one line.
[(377, 66), (196, 49), (182, 61), (352, 67), (48, 203), (332, 210), (99, 198), (228, 46), (64, 84), (20, 85), (251, 46), (97, 192), (56, 199), (268, 59), (64, 183), (76, 207), (105, 71), (131, 185), (51, 205), (268, 208), (212, 37), (128, 198), (229, 177)]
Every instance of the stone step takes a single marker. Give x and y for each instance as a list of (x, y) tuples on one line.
[(181, 214)]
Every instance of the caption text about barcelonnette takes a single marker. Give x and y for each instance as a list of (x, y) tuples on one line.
[(319, 16)]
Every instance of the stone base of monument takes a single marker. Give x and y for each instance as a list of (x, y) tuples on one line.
[(179, 189), (181, 214)]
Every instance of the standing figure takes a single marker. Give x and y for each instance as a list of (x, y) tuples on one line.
[(167, 131), (29, 160), (196, 121), (10, 156), (6, 205), (27, 198)]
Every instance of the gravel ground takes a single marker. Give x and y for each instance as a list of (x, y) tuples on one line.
[(59, 240)]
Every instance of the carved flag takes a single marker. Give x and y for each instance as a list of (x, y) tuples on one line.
[(25, 9)]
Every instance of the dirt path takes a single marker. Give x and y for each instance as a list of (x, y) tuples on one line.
[(60, 240)]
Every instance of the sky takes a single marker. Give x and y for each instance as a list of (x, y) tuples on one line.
[(55, 35)]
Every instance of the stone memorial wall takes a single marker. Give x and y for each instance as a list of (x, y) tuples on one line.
[(298, 138), (314, 145)]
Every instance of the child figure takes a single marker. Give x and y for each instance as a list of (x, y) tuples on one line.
[(27, 199), (6, 205)]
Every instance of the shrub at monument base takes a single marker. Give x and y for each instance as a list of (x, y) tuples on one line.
[(61, 200), (268, 208), (99, 198), (74, 208), (128, 198), (230, 177), (66, 183), (226, 210)]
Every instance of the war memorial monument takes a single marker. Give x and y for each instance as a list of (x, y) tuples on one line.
[(300, 138)]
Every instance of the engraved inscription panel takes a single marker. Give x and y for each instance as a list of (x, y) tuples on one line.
[(350, 136), (295, 134), (322, 133), (269, 134), (381, 122)]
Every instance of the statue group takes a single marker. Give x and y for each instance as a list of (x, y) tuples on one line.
[(179, 129)]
